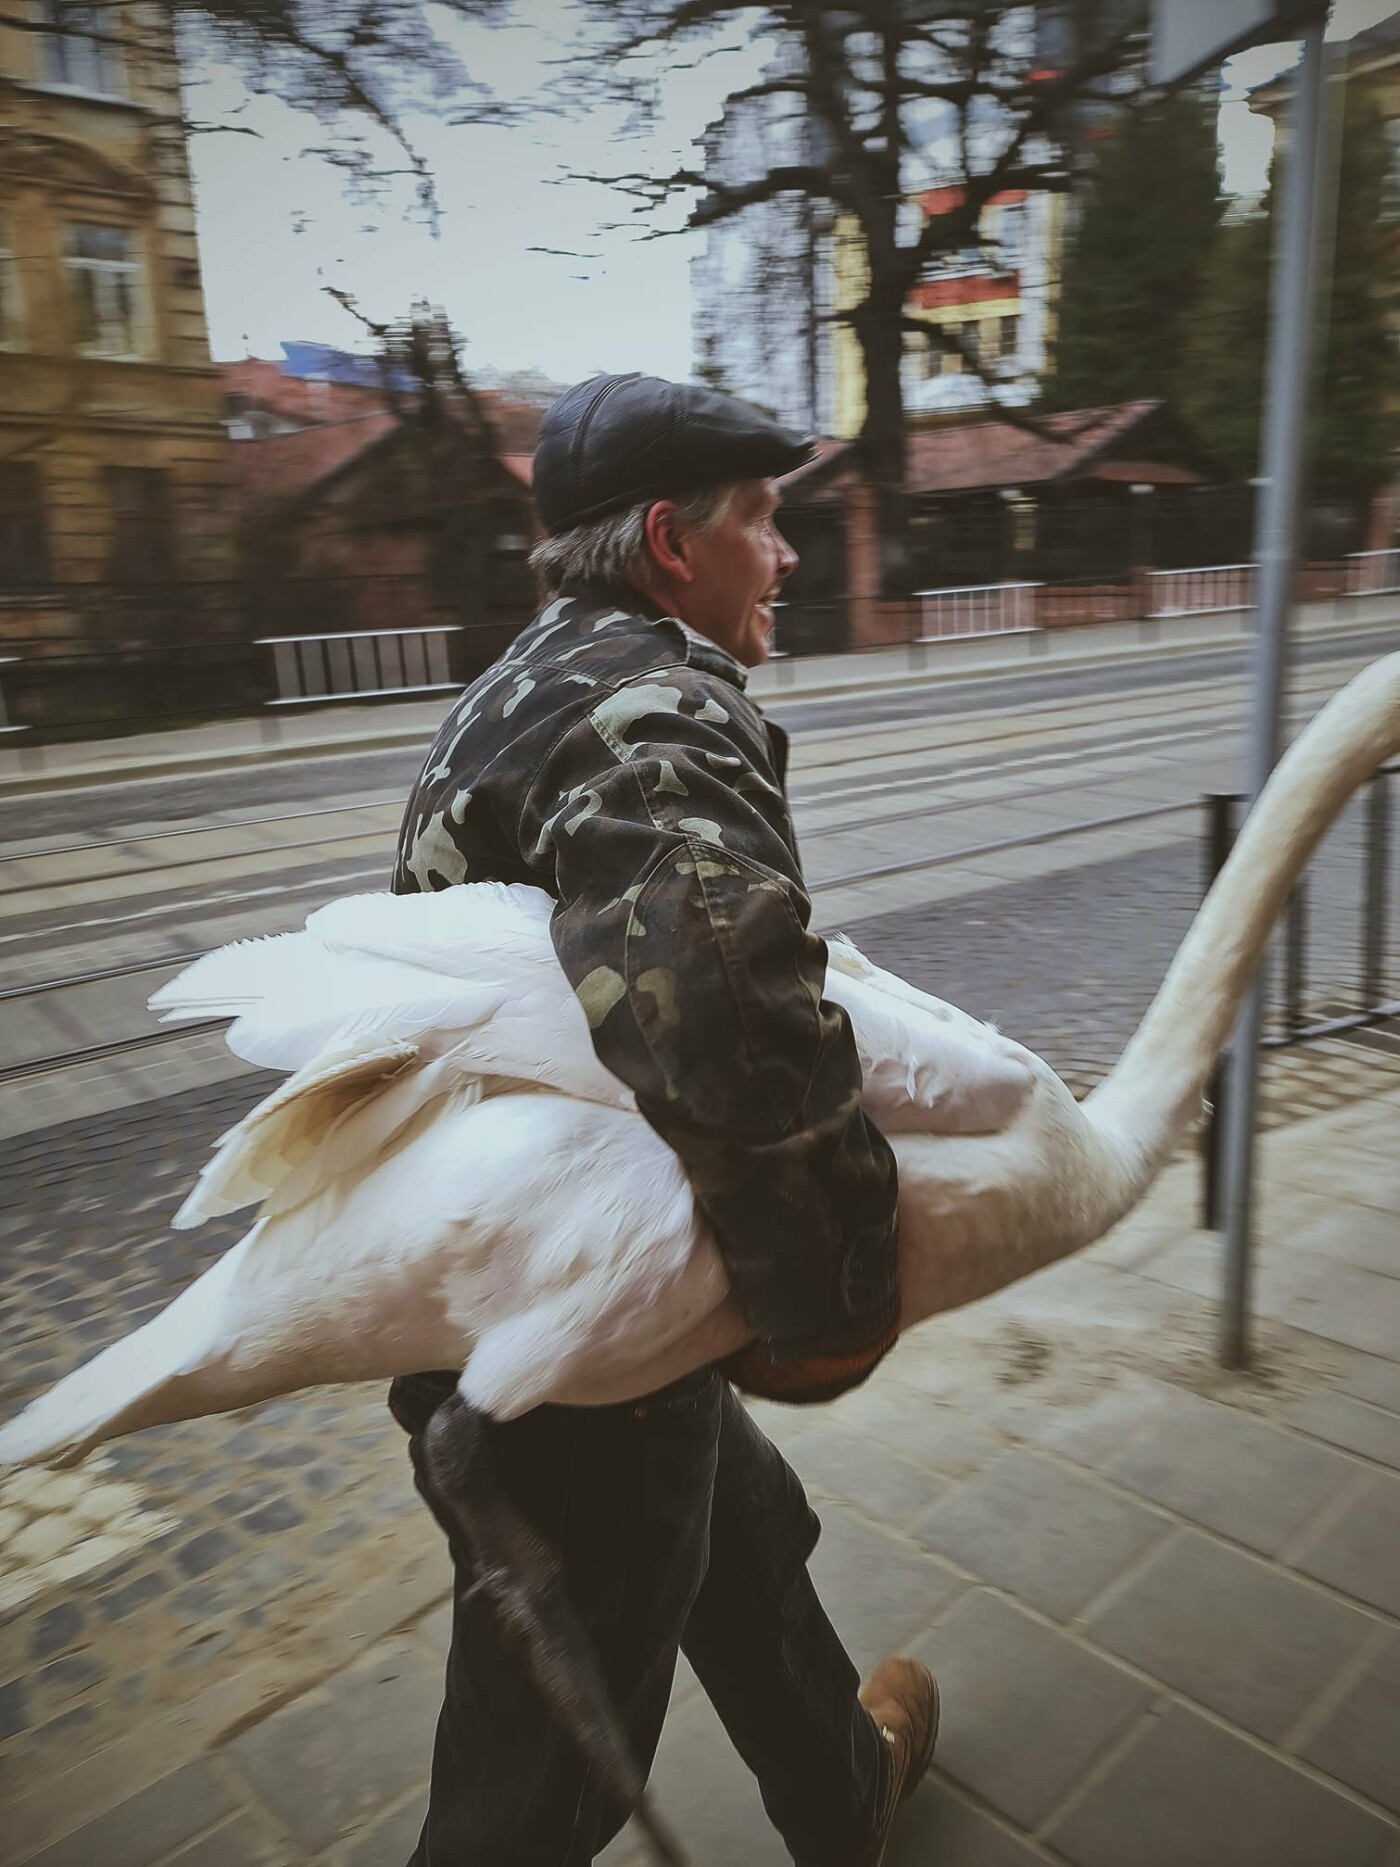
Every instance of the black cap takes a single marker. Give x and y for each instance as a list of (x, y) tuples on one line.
[(613, 441)]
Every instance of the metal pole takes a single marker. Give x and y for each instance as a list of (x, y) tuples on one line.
[(1291, 310)]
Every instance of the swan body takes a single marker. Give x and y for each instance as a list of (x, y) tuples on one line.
[(450, 1179)]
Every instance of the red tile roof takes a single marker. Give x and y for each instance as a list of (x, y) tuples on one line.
[(977, 454), (275, 469)]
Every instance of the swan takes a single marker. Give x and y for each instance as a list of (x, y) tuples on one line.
[(449, 1178), (550, 1247)]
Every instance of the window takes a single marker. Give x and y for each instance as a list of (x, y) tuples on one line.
[(1010, 338), (971, 334), (103, 273), (78, 48), (11, 306), (24, 547), (142, 544)]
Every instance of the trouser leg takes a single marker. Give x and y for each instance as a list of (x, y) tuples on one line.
[(622, 1494), (771, 1662)]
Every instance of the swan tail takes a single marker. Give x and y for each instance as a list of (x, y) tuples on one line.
[(132, 1384)]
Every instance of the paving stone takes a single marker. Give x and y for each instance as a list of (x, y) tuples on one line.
[(941, 1437), (707, 1795), (116, 1604), (1359, 1743), (55, 1629), (362, 1740), (879, 1590), (1357, 1552), (1232, 1632), (204, 1552), (1026, 1710), (1353, 1424), (1044, 1533), (878, 1482), (1093, 1431), (1357, 1307), (935, 1826), (1358, 1235), (280, 1514), (243, 1842), (391, 1839), (1187, 1794), (14, 1708), (149, 1825), (1238, 1476), (1377, 1381)]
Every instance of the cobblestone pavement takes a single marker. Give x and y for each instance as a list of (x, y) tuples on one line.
[(194, 1579)]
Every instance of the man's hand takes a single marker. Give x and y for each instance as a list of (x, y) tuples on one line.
[(770, 1371)]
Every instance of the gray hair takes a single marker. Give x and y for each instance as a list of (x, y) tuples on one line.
[(611, 552)]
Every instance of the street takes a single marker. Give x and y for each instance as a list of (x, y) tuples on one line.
[(1028, 848)]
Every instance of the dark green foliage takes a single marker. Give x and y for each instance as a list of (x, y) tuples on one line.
[(1132, 268), (1354, 433)]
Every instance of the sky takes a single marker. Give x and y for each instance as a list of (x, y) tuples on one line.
[(276, 227)]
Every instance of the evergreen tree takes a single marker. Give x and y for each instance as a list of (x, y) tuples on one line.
[(1132, 268), (1353, 444)]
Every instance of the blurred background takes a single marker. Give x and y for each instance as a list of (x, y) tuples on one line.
[(285, 290)]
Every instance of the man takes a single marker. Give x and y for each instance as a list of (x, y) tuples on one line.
[(613, 759)]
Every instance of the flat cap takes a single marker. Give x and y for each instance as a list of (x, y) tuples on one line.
[(613, 441)]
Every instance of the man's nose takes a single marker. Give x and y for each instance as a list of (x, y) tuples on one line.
[(787, 557)]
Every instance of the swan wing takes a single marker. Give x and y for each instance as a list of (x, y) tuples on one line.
[(928, 1067), (471, 969), (289, 1128)]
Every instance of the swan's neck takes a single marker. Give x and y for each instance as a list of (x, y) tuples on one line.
[(1156, 1086)]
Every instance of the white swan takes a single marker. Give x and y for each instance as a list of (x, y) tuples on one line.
[(449, 1179)]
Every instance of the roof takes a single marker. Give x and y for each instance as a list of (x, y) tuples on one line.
[(998, 453), (984, 454), (283, 465), (298, 398), (337, 422)]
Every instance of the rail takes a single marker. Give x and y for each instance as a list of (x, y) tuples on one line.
[(8, 661), (1202, 587), (366, 664), (976, 609), (1371, 572), (1295, 1026)]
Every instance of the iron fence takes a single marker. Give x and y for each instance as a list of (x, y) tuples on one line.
[(1294, 1019)]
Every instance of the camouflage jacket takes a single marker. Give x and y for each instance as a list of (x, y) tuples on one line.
[(612, 758)]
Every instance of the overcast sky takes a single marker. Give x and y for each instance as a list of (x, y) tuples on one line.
[(276, 227)]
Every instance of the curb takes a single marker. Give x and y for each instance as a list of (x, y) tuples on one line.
[(388, 739)]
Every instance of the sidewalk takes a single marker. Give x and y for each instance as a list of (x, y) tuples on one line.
[(1163, 1602), (344, 731)]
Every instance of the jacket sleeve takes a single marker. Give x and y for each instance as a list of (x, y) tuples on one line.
[(659, 825)]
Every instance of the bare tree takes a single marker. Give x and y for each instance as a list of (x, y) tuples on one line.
[(895, 95), (355, 65)]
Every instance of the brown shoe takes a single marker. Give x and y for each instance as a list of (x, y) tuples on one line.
[(902, 1697)]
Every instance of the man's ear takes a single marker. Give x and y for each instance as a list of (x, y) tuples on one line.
[(668, 541)]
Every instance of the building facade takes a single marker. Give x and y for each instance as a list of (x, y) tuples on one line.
[(114, 460)]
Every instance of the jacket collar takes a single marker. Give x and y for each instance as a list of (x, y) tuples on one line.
[(631, 610)]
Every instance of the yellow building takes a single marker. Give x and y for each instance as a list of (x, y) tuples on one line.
[(113, 456), (995, 303)]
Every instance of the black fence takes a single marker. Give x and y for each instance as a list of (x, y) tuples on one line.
[(99, 658), (1301, 1011)]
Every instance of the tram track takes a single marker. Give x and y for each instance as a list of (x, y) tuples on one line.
[(171, 963), (1083, 748)]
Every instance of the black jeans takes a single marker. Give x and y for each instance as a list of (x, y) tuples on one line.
[(680, 1528)]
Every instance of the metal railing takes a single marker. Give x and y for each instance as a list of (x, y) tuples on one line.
[(1294, 1026), (976, 609), (1203, 587), (1370, 572), (8, 661), (360, 665)]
